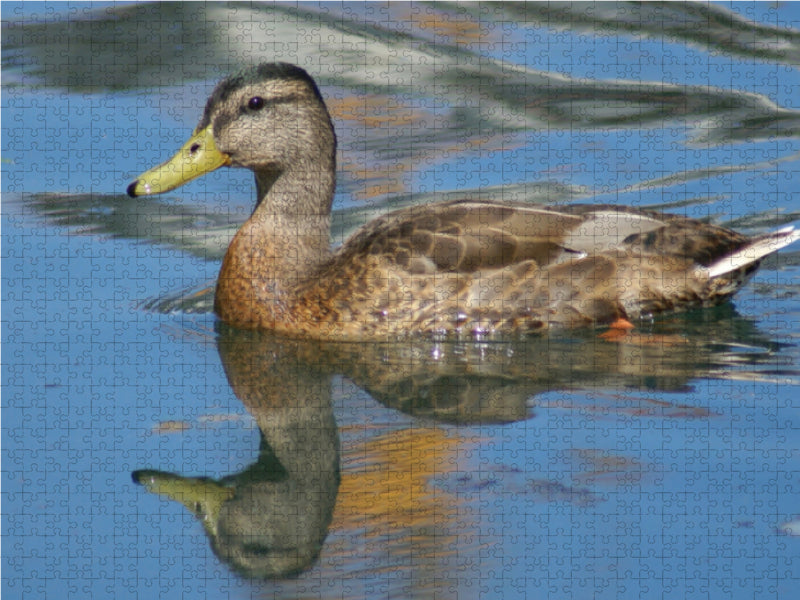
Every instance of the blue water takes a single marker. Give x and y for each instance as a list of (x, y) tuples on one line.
[(668, 476)]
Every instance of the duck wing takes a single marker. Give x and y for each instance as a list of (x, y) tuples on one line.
[(468, 236), (487, 266)]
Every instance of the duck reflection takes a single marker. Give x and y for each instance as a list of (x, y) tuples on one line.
[(271, 520), (497, 382)]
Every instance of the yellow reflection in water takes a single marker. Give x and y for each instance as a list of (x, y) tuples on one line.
[(388, 486)]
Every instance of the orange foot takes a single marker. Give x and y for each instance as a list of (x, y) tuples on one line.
[(617, 330)]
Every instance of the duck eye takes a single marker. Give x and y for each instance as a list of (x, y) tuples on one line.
[(255, 103)]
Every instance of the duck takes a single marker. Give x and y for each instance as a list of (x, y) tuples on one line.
[(463, 267)]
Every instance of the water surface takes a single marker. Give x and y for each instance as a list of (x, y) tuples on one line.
[(149, 450)]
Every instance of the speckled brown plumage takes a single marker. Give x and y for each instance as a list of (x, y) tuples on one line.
[(465, 267)]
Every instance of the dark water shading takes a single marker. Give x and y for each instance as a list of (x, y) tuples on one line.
[(223, 36)]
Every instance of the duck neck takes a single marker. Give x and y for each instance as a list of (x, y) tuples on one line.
[(280, 245), (293, 215)]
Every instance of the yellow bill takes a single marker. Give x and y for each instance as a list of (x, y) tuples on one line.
[(202, 496), (197, 157)]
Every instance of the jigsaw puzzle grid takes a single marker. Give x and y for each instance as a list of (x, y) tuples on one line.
[(150, 450)]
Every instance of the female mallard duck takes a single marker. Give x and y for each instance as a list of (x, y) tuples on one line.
[(465, 266)]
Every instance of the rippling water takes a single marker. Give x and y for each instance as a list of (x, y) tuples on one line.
[(150, 451)]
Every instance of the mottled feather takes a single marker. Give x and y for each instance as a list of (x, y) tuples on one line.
[(457, 267)]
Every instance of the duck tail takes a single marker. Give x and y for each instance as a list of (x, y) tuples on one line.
[(755, 250)]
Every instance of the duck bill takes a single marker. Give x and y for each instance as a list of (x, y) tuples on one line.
[(203, 497), (196, 157)]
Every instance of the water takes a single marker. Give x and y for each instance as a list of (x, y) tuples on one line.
[(150, 451)]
